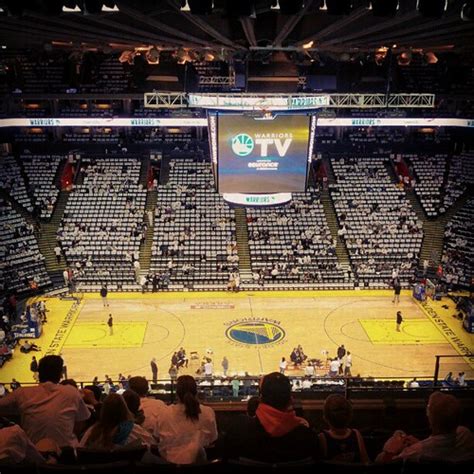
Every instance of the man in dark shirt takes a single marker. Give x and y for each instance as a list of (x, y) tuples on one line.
[(154, 370), (275, 434)]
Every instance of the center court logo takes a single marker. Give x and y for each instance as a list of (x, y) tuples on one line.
[(255, 332), (242, 144)]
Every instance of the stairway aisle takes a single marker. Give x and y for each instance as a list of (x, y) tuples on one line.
[(145, 248), (47, 240), (242, 235), (433, 229), (331, 218)]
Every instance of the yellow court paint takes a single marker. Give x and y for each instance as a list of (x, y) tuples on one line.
[(252, 329), (98, 335), (413, 331)]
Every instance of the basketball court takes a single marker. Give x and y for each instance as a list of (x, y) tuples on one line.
[(253, 330)]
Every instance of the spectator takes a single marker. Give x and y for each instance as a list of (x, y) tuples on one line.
[(48, 410), (448, 441), (152, 408), (341, 443), (115, 427), (15, 447), (276, 434), (187, 427)]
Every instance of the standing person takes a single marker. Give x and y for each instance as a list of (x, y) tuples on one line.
[(103, 294), (397, 287), (339, 442), (208, 368), (57, 252), (341, 352), (225, 365), (399, 320), (283, 365), (66, 277), (186, 428), (154, 370), (34, 368), (348, 365), (110, 323)]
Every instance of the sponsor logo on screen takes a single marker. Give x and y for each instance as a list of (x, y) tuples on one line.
[(255, 332), (242, 144)]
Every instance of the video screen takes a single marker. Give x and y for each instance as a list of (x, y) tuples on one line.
[(262, 156)]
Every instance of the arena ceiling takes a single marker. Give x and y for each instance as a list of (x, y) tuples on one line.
[(235, 26)]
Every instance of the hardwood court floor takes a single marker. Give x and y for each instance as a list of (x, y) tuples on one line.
[(254, 330)]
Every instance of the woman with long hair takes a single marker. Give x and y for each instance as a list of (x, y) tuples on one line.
[(115, 427), (187, 427)]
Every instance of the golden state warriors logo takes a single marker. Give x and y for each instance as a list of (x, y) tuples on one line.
[(255, 332)]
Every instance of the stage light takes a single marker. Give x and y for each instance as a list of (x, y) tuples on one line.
[(110, 7), (337, 7), (430, 57), (432, 8), (71, 7), (404, 59), (308, 45), (384, 7), (153, 56), (380, 55), (467, 11)]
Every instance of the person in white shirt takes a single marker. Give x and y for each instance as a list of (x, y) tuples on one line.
[(334, 367), (187, 427), (48, 410), (309, 370), (283, 365), (152, 408), (208, 368)]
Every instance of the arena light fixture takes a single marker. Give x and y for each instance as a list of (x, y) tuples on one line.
[(467, 11), (152, 56), (384, 8), (432, 8), (71, 7), (430, 57), (404, 59), (308, 45)]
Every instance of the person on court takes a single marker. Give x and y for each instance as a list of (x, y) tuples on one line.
[(103, 294), (399, 320), (397, 287), (110, 323), (154, 370)]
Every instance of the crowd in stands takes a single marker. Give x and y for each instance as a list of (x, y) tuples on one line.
[(60, 422), (458, 255), (12, 182), (41, 172), (194, 230), (293, 244), (376, 221), (102, 226), (21, 263)]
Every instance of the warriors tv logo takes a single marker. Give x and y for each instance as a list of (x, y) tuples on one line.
[(255, 332), (243, 144)]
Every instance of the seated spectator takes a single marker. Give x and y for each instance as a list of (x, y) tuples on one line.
[(448, 441), (341, 443), (276, 434), (48, 410), (115, 427), (186, 428), (133, 404), (151, 407), (15, 447)]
